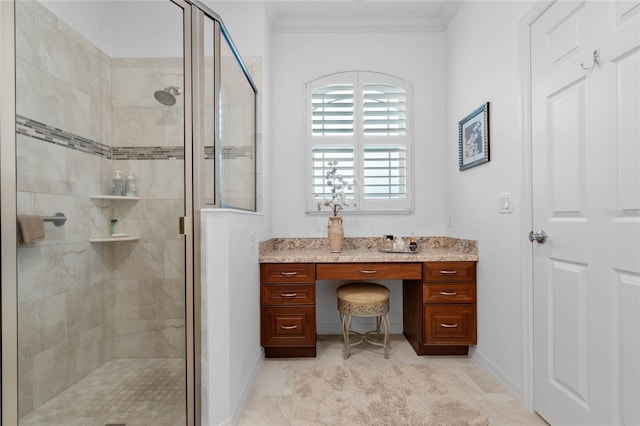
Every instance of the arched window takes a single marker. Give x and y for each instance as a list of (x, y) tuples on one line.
[(362, 122)]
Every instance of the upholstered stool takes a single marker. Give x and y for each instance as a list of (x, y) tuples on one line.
[(362, 299)]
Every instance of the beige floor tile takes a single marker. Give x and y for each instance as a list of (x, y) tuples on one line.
[(270, 400), (151, 391)]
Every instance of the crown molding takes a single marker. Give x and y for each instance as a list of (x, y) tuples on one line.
[(298, 20)]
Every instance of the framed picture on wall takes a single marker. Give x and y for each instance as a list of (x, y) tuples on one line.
[(473, 138)]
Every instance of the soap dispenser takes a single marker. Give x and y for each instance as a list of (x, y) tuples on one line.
[(117, 187), (130, 185)]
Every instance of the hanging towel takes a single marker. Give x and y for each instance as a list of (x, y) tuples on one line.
[(30, 228)]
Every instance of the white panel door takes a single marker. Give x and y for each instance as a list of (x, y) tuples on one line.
[(586, 198)]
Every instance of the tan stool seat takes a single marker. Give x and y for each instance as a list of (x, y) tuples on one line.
[(363, 299)]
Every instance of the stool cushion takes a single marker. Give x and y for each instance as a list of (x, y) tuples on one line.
[(362, 298)]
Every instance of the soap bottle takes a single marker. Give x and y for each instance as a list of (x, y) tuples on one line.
[(117, 187), (130, 185)]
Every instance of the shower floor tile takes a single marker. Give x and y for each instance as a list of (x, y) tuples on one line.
[(122, 391)]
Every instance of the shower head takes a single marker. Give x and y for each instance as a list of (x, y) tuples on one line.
[(167, 96)]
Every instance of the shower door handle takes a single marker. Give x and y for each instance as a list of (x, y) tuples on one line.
[(185, 225)]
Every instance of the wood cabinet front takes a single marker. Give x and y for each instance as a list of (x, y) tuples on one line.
[(450, 272), (287, 273), (439, 303), (287, 309), (449, 324), (288, 294), (371, 271), (449, 293), (289, 326), (445, 306)]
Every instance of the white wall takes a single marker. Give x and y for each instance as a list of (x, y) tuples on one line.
[(231, 354), (482, 64), (299, 58)]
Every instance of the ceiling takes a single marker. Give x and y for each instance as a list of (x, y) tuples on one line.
[(360, 15)]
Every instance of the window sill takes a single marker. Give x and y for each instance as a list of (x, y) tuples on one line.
[(357, 212)]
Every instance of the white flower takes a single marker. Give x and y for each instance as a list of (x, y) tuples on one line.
[(337, 185)]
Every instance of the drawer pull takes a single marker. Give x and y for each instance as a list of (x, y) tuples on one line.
[(289, 274), (288, 327), (288, 294), (368, 271), (448, 272), (448, 325), (449, 293)]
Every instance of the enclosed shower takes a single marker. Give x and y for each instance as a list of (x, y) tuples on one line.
[(129, 117)]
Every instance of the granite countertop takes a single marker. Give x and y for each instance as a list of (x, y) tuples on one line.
[(364, 249)]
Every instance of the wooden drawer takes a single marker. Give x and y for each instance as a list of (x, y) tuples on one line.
[(288, 326), (449, 324), (450, 271), (449, 293), (368, 271), (287, 294), (287, 272)]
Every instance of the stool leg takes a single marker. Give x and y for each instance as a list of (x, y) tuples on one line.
[(385, 319), (378, 318), (346, 323)]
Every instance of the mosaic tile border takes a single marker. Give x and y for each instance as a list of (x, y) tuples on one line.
[(46, 133), (230, 152), (37, 130), (233, 152), (147, 153)]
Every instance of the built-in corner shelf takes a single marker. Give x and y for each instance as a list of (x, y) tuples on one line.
[(113, 197), (113, 239)]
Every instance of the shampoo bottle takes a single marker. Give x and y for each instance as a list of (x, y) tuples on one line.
[(130, 185), (117, 184)]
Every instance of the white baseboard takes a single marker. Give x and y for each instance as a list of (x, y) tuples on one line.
[(246, 391), (498, 375)]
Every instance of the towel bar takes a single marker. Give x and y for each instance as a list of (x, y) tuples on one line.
[(58, 219)]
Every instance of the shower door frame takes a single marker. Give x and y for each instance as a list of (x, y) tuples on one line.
[(8, 190), (8, 224)]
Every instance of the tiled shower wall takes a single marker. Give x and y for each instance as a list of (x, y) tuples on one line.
[(63, 281), (83, 115), (148, 276)]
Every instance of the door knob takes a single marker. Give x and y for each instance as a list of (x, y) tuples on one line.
[(540, 236)]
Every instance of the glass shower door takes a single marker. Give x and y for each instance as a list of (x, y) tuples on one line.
[(102, 94)]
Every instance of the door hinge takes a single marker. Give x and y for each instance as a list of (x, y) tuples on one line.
[(185, 225)]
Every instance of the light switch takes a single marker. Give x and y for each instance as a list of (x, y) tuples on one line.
[(506, 204)]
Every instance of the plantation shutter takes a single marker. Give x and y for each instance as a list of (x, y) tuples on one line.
[(332, 108), (383, 110), (362, 122), (385, 172), (320, 166)]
